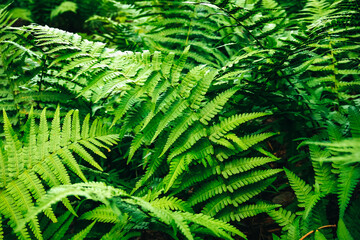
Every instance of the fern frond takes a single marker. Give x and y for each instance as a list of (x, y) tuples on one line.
[(306, 196), (177, 166), (243, 164), (182, 125), (302, 190), (103, 213), (81, 235), (213, 107), (13, 146), (246, 211), (348, 179), (195, 134), (248, 141), (219, 202), (342, 231), (283, 217), (45, 167), (232, 122), (171, 203), (214, 224), (217, 186)]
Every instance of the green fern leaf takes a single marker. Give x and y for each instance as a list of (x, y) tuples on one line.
[(177, 166), (190, 80), (170, 115), (199, 91), (13, 146), (43, 135), (194, 135), (250, 191), (283, 217), (184, 228), (319, 235), (181, 126), (1, 230), (246, 211), (348, 179), (306, 196), (249, 178), (30, 147), (354, 117), (66, 129), (214, 224), (168, 62), (248, 141), (81, 235), (55, 131), (232, 122), (214, 107), (221, 201), (342, 232), (179, 65), (85, 155), (33, 184), (302, 190), (171, 203), (243, 164), (102, 213)]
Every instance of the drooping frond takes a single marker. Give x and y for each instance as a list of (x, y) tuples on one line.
[(119, 202), (306, 196)]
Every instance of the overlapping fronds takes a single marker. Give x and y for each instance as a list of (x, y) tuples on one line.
[(119, 205), (42, 159), (26, 80), (216, 30)]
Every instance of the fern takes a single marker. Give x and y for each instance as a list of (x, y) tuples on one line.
[(39, 162), (112, 198), (81, 235), (190, 110), (304, 193)]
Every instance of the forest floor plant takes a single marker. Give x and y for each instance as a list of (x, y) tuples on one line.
[(205, 104)]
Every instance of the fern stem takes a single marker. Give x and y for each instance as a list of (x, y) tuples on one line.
[(312, 231)]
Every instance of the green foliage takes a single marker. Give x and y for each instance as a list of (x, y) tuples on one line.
[(43, 158), (195, 91), (339, 178), (120, 207)]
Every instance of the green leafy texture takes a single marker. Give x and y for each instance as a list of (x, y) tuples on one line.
[(232, 122), (246, 211), (323, 171), (26, 177), (308, 72), (158, 92), (319, 235), (81, 235), (103, 213), (63, 7), (342, 232), (25, 81), (59, 228), (348, 180), (117, 199), (284, 218), (306, 196)]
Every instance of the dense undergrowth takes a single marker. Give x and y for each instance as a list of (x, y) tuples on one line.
[(180, 119)]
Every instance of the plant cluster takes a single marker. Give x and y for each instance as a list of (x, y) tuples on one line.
[(208, 110)]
